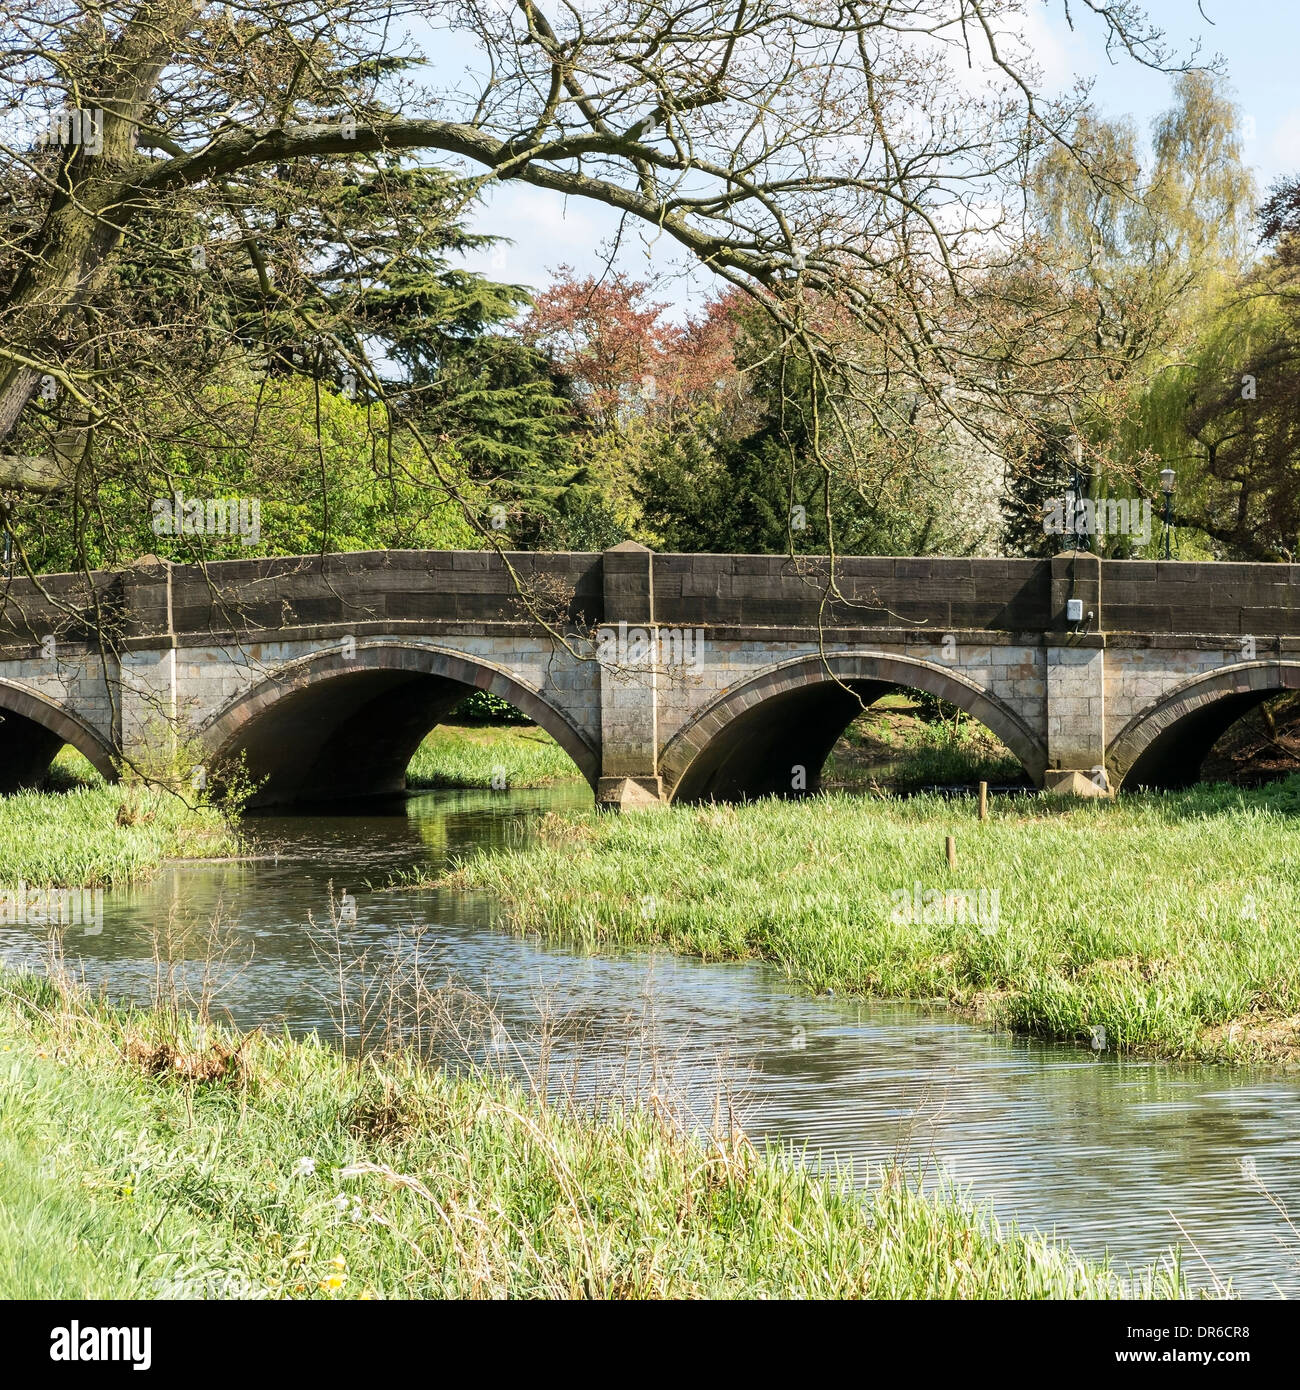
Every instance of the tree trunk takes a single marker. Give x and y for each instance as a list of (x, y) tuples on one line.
[(83, 223)]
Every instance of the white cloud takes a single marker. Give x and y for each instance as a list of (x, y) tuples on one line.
[(544, 229), (548, 230)]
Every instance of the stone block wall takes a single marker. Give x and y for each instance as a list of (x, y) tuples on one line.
[(158, 642)]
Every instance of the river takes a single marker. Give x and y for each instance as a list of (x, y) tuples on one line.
[(1112, 1155)]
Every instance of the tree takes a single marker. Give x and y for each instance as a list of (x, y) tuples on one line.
[(603, 336), (295, 462), (230, 338), (1047, 470), (1140, 254), (378, 260), (1226, 414), (1146, 246), (644, 385), (771, 461), (777, 144)]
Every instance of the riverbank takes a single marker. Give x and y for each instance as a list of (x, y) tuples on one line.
[(901, 745), (101, 835), (144, 1156), (1166, 925), (499, 757)]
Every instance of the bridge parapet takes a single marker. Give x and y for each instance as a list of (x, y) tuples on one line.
[(152, 599), (755, 661)]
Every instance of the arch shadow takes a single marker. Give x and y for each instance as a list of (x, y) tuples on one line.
[(1164, 746), (326, 728), (746, 742), (33, 729)]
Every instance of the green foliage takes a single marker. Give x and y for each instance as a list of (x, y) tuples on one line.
[(729, 495), (1226, 418), (323, 474), (454, 367), (708, 486), (463, 376), (577, 516), (802, 470), (1146, 246), (1147, 252), (270, 398), (1046, 472), (482, 707)]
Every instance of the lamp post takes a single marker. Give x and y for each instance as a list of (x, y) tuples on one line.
[(1167, 487), (1076, 453)]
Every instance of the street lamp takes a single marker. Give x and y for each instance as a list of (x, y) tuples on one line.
[(1082, 539), (1167, 487)]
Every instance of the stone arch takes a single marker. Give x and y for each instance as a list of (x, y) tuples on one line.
[(801, 707), (33, 729), (327, 727), (1165, 744)]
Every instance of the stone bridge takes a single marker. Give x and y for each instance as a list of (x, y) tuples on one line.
[(665, 677)]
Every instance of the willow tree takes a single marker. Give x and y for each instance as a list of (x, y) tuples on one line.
[(853, 165), (1226, 413), (1143, 249)]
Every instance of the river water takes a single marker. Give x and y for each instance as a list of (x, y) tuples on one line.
[(1113, 1155)]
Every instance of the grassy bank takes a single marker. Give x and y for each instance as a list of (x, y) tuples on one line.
[(136, 1160), (901, 745), (69, 771), (100, 835), (498, 756), (1170, 922)]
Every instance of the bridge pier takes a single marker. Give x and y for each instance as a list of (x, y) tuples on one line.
[(627, 653), (1076, 680), (148, 729), (1076, 722), (142, 674)]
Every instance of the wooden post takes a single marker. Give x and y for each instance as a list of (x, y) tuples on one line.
[(984, 801), (950, 848)]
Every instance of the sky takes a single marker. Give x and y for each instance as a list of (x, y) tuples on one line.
[(1259, 41)]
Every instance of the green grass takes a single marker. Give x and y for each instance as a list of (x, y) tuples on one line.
[(1173, 922), (119, 1178), (891, 746), (71, 770), (496, 756), (102, 835)]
